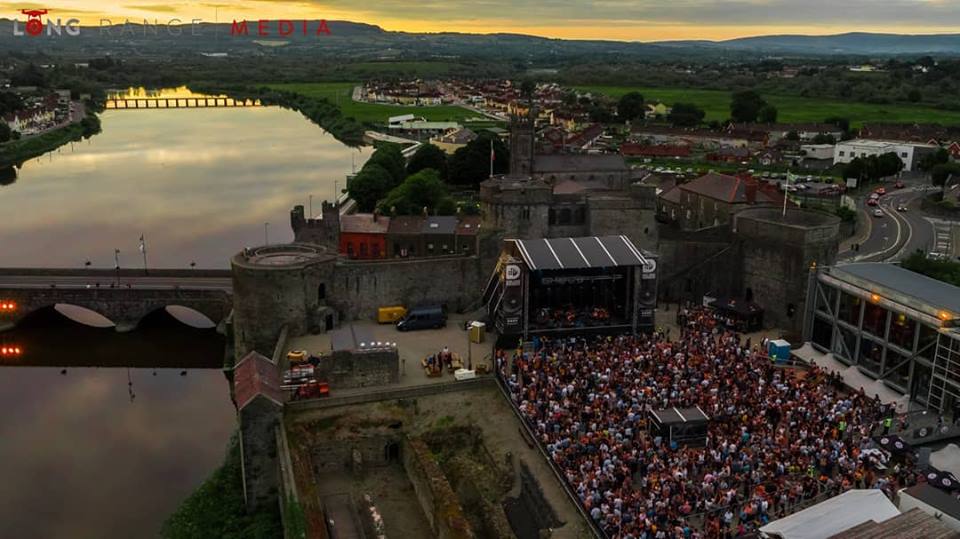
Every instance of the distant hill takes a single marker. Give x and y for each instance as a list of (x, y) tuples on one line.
[(352, 40), (858, 43)]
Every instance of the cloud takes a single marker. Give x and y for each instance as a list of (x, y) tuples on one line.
[(158, 8)]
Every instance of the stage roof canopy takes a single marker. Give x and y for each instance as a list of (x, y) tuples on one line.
[(579, 253), (673, 416)]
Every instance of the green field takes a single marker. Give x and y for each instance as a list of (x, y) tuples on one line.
[(341, 94), (716, 103)]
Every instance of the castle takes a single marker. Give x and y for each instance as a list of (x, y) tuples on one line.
[(566, 195)]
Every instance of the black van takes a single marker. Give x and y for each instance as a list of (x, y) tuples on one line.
[(423, 318)]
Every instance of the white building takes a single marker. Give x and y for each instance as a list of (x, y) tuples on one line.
[(908, 152), (817, 151)]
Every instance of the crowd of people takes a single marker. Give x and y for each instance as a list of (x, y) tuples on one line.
[(778, 438)]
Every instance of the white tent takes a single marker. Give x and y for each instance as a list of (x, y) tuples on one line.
[(853, 377), (833, 516)]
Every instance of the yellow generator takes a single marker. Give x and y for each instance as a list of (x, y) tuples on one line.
[(389, 315)]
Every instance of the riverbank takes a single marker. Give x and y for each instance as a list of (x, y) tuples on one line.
[(318, 110), (15, 152)]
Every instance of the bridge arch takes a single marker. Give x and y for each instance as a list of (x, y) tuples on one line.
[(187, 316), (68, 311)]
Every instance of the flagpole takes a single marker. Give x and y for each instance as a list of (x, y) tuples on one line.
[(786, 192), (143, 251)]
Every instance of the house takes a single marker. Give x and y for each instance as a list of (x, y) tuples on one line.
[(730, 155), (769, 157), (467, 234), (396, 122), (712, 199), (926, 133), (363, 236), (631, 149), (403, 236), (911, 153), (439, 235), (453, 139)]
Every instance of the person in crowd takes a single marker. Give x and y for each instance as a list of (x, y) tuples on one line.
[(778, 438)]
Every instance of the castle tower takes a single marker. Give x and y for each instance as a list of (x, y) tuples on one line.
[(522, 143)]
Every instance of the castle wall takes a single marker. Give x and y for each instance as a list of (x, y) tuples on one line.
[(360, 287), (626, 216), (258, 421), (777, 256), (437, 498), (692, 264), (345, 369)]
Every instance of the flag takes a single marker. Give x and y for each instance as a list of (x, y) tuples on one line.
[(143, 245)]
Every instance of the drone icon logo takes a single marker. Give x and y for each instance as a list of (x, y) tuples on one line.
[(34, 25)]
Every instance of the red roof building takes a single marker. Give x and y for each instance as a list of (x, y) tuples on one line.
[(631, 149), (363, 236), (256, 376)]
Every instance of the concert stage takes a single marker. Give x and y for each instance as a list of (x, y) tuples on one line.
[(572, 285)]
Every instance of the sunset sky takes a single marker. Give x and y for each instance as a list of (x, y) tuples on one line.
[(628, 20)]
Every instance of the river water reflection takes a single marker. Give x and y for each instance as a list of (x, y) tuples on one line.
[(78, 458), (199, 183)]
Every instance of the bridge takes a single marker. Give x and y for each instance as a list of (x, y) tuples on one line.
[(124, 297), (124, 103)]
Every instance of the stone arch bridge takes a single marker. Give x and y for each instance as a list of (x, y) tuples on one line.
[(124, 299)]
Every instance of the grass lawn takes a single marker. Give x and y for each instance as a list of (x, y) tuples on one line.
[(716, 103), (342, 92)]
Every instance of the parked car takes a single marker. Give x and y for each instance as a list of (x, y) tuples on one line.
[(423, 318), (880, 191), (901, 207), (872, 202), (878, 212)]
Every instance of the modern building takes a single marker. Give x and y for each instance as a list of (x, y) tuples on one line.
[(894, 325), (908, 152), (454, 139)]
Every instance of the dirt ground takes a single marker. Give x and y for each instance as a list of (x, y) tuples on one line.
[(392, 491)]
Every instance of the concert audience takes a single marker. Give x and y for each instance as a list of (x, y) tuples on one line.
[(779, 439)]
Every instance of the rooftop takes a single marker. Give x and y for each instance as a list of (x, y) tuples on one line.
[(255, 375), (578, 253), (440, 224), (579, 162), (406, 224), (364, 223), (892, 277)]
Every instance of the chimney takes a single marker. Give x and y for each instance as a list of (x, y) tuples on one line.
[(376, 214), (750, 188)]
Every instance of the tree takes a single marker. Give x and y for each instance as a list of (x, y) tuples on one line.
[(428, 156), (527, 87), (824, 138), (914, 95), (470, 165), (371, 184), (940, 173), (390, 158), (745, 106), (767, 114), (793, 136), (29, 75), (685, 115), (5, 132), (10, 102), (630, 107), (424, 189), (842, 123), (931, 160), (600, 114)]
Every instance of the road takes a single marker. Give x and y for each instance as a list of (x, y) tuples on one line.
[(105, 281), (896, 234)]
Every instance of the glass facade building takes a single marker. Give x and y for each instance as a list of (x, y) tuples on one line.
[(893, 324)]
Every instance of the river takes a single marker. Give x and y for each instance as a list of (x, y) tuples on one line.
[(199, 184), (79, 457)]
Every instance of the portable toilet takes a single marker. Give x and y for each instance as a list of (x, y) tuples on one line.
[(778, 350)]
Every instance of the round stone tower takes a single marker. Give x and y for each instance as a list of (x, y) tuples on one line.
[(777, 252), (277, 286)]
